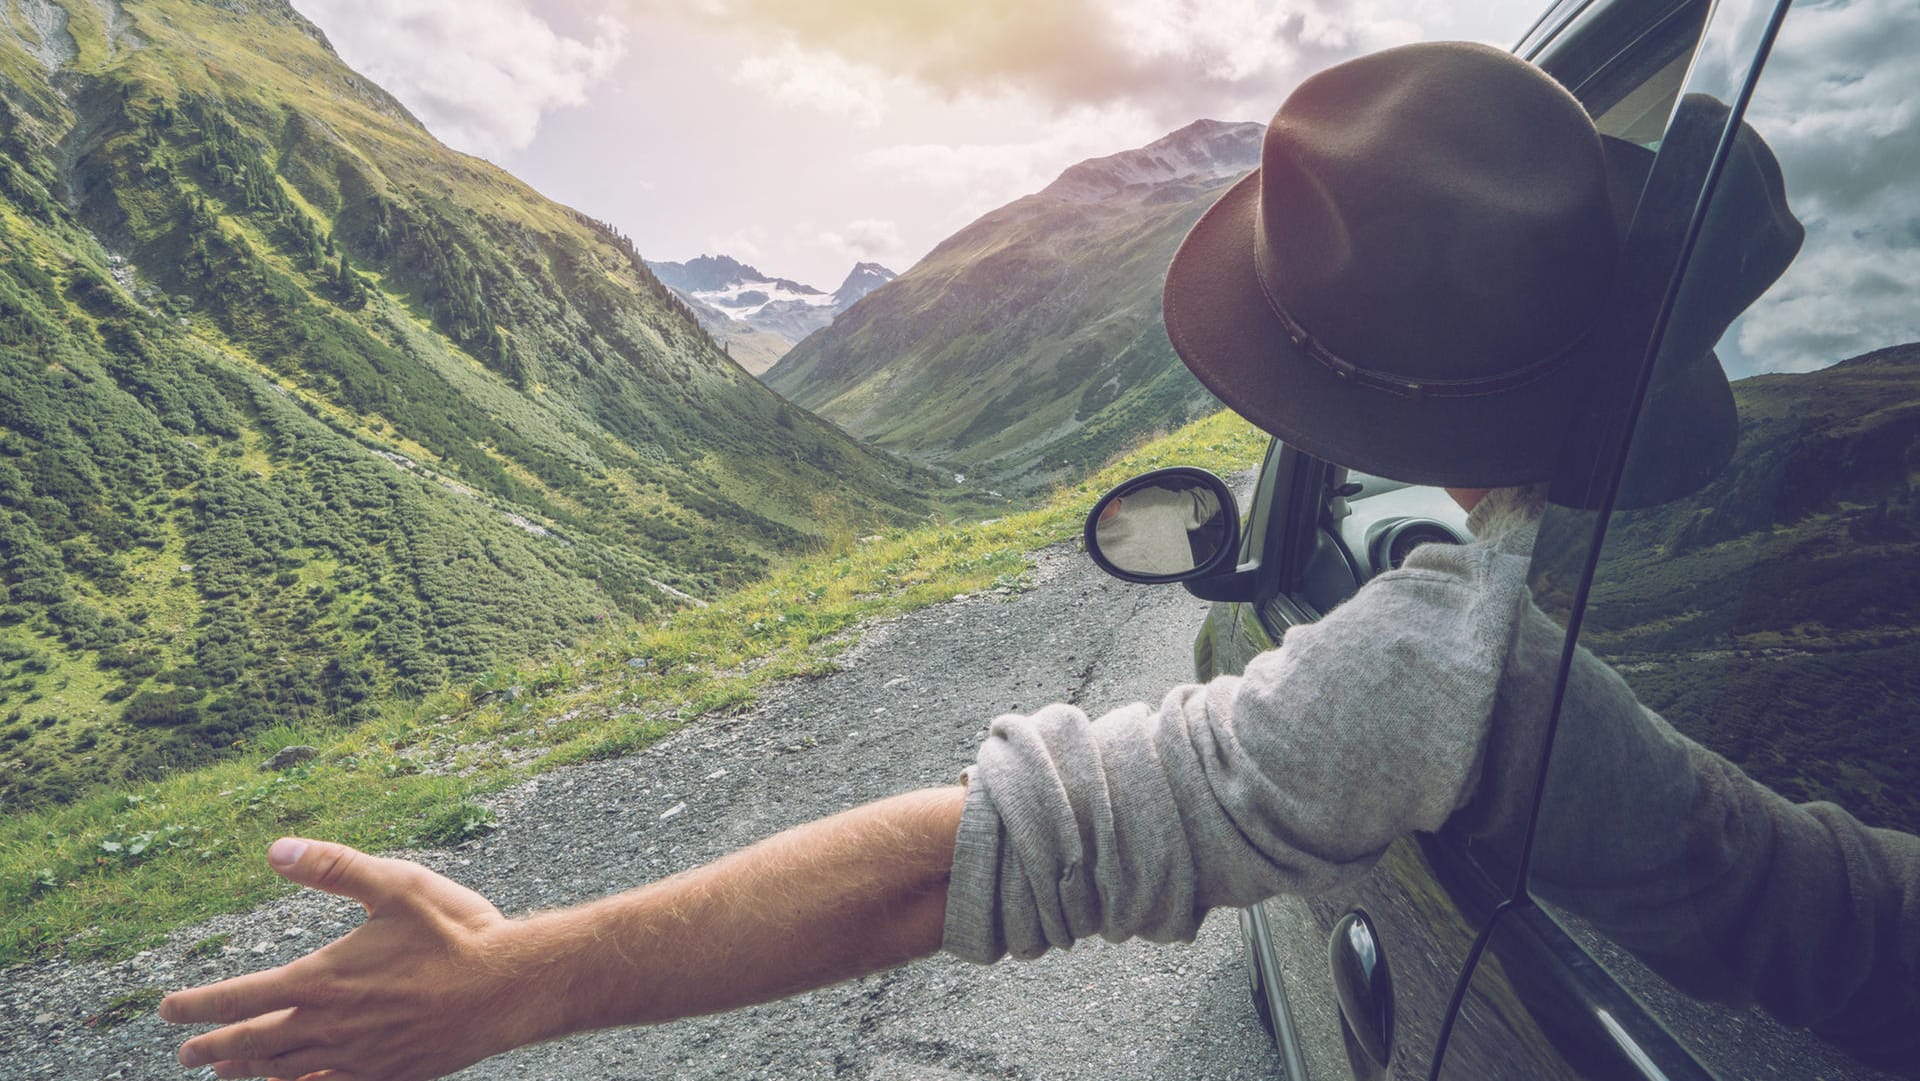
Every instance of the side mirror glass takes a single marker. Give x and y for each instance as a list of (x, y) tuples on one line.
[(1171, 525)]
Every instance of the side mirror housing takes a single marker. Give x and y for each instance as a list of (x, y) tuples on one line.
[(1171, 525)]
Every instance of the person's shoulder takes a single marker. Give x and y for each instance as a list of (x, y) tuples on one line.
[(1504, 525), (1437, 585), (1460, 564)]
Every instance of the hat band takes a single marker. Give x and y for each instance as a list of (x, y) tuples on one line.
[(1393, 383)]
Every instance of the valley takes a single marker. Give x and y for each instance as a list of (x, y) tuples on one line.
[(1028, 348), (301, 410)]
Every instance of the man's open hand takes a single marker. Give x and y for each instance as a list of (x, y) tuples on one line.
[(423, 988), (437, 979)]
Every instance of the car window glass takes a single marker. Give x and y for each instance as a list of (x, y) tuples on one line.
[(1732, 807), (1640, 114), (1625, 62), (1598, 57), (1551, 24)]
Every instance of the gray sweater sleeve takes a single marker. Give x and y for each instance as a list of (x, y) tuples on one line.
[(1291, 778), (1728, 890)]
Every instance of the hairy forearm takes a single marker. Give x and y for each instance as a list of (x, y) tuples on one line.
[(856, 893)]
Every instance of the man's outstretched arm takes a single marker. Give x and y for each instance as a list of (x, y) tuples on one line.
[(437, 978)]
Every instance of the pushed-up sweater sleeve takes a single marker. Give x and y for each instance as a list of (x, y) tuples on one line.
[(1290, 778)]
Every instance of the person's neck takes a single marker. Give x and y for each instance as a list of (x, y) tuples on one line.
[(1468, 498)]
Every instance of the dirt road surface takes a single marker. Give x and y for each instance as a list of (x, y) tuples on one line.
[(910, 705)]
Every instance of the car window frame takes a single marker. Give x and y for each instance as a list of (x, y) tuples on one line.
[(1281, 538), (1551, 24), (1588, 40)]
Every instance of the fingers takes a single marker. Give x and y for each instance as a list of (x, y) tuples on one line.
[(371, 880), (279, 1044), (236, 999), (305, 1063)]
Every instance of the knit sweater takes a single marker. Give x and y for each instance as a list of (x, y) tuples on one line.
[(1420, 703)]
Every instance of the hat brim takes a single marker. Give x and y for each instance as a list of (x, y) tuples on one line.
[(1221, 326), (1685, 434)]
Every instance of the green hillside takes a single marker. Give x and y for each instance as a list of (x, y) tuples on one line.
[(160, 854), (299, 408), (1771, 615), (1028, 348)]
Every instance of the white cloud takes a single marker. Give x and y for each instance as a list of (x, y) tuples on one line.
[(1838, 301), (747, 245), (869, 236), (820, 80), (1835, 103), (479, 73), (875, 240), (977, 177), (1174, 59)]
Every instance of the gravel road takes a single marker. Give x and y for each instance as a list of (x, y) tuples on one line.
[(907, 710)]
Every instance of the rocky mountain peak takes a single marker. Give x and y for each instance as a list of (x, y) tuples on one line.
[(722, 273), (1203, 151), (763, 315), (864, 278), (279, 11)]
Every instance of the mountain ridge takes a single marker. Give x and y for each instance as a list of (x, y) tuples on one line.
[(706, 273), (300, 409), (758, 317), (1028, 346), (1203, 150)]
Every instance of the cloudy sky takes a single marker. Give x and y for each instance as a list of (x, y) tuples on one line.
[(805, 136), (1837, 105)]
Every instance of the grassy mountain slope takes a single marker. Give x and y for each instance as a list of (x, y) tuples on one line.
[(159, 854), (1029, 347), (298, 407), (1772, 614)]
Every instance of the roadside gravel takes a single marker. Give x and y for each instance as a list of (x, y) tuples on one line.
[(912, 702)]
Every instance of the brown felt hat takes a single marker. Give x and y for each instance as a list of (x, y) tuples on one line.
[(1687, 426), (1405, 283)]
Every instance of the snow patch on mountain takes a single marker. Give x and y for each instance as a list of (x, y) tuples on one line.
[(736, 288), (748, 299), (863, 279), (737, 303)]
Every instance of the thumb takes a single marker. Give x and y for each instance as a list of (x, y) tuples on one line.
[(336, 869)]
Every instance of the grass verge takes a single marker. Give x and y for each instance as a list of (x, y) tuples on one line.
[(117, 870)]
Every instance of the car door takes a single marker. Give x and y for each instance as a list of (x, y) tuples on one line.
[(1739, 896), (1360, 983)]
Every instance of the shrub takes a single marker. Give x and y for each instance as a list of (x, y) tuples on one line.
[(163, 709)]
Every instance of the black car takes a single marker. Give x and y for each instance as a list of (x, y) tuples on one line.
[(1770, 615)]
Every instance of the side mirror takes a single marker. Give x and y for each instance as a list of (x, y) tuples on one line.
[(1170, 525)]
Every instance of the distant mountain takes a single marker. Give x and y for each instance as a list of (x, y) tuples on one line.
[(1206, 150), (300, 409), (728, 282), (864, 278), (758, 317), (1029, 346)]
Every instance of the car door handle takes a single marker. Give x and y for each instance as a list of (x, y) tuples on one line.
[(1364, 987)]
